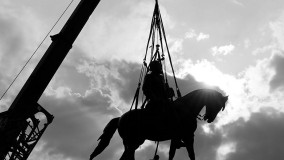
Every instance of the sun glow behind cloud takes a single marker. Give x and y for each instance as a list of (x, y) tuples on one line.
[(206, 72)]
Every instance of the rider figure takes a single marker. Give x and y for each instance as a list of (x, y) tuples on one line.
[(156, 91)]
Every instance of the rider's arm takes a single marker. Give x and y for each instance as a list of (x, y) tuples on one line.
[(146, 88)]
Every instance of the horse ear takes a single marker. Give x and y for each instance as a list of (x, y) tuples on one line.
[(225, 98)]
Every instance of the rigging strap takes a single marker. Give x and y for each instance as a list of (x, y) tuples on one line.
[(157, 27), (160, 27)]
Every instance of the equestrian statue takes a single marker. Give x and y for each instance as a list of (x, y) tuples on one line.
[(163, 120)]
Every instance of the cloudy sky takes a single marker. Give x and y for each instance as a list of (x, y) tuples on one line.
[(236, 45)]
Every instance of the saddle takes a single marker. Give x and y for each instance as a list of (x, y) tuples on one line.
[(157, 107)]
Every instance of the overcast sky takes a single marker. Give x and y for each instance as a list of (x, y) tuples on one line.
[(236, 45)]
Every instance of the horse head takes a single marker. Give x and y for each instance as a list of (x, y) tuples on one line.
[(214, 107)]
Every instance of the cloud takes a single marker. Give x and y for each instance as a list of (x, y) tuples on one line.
[(259, 138), (248, 92), (222, 50), (84, 94), (41, 153), (278, 31), (264, 49), (251, 93), (247, 43), (78, 122), (110, 87), (190, 34), (237, 2), (176, 46), (264, 78), (224, 150), (20, 32), (206, 144), (277, 63), (205, 72), (11, 45), (17, 41), (198, 36), (81, 116), (118, 79), (110, 35), (202, 36), (80, 119), (99, 76)]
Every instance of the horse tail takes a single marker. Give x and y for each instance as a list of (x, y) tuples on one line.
[(105, 137)]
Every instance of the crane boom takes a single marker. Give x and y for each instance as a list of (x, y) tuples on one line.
[(19, 127)]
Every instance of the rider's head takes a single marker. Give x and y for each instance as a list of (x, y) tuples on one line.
[(156, 67)]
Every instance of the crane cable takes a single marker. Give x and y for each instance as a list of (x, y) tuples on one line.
[(36, 49), (144, 68)]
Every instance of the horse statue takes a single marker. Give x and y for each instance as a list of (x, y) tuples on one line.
[(177, 123)]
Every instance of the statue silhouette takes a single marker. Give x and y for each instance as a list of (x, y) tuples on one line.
[(180, 122), (159, 95), (157, 92)]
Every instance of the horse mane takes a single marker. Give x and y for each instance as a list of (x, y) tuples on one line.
[(201, 93), (197, 99)]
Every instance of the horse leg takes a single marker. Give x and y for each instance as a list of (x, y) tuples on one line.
[(175, 144), (124, 155), (189, 144), (129, 152), (172, 150)]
